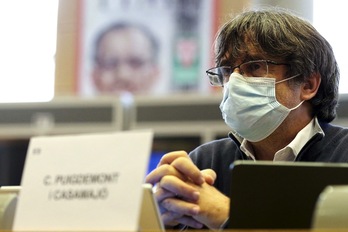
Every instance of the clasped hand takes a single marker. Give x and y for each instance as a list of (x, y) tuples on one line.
[(185, 194)]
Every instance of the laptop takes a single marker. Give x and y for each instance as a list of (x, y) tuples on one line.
[(150, 219), (279, 195)]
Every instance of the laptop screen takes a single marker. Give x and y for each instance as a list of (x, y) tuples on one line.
[(266, 194)]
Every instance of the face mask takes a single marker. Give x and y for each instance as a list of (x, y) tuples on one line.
[(250, 107)]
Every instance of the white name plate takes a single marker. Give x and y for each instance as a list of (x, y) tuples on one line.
[(83, 182)]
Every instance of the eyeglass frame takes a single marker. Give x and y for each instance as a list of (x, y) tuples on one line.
[(232, 68)]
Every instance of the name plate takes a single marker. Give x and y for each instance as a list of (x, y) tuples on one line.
[(83, 182)]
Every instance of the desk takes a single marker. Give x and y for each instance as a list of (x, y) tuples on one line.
[(270, 230), (234, 230), (264, 230)]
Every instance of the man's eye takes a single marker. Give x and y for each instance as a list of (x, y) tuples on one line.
[(254, 67), (226, 72)]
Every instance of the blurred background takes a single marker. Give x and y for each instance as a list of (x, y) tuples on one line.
[(87, 66)]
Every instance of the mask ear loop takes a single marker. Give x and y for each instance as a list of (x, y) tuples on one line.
[(294, 108), (286, 79)]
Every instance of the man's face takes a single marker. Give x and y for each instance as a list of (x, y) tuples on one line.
[(125, 63), (284, 93)]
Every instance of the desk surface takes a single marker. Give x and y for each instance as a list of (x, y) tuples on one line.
[(253, 230)]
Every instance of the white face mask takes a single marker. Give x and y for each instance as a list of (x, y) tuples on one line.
[(250, 107)]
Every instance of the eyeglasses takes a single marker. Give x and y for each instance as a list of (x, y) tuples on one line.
[(218, 76)]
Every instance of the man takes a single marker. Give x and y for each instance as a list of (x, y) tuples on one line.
[(125, 60), (280, 80)]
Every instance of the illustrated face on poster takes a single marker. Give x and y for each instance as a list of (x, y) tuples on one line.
[(144, 47)]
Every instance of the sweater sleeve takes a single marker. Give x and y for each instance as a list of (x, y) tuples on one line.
[(217, 155)]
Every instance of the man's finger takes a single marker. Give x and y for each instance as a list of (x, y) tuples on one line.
[(185, 166), (169, 157), (209, 176)]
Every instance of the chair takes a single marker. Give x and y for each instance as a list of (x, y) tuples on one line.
[(331, 211)]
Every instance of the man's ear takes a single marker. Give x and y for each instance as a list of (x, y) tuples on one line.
[(310, 88)]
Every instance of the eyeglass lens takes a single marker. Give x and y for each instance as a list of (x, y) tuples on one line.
[(220, 75), (254, 69)]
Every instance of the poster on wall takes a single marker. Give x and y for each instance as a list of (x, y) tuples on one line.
[(144, 46)]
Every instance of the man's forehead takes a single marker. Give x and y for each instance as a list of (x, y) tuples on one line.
[(245, 56)]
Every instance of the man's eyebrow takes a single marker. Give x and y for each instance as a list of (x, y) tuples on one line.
[(251, 57), (224, 63), (227, 61)]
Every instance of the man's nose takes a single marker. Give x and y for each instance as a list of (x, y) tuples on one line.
[(236, 70)]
